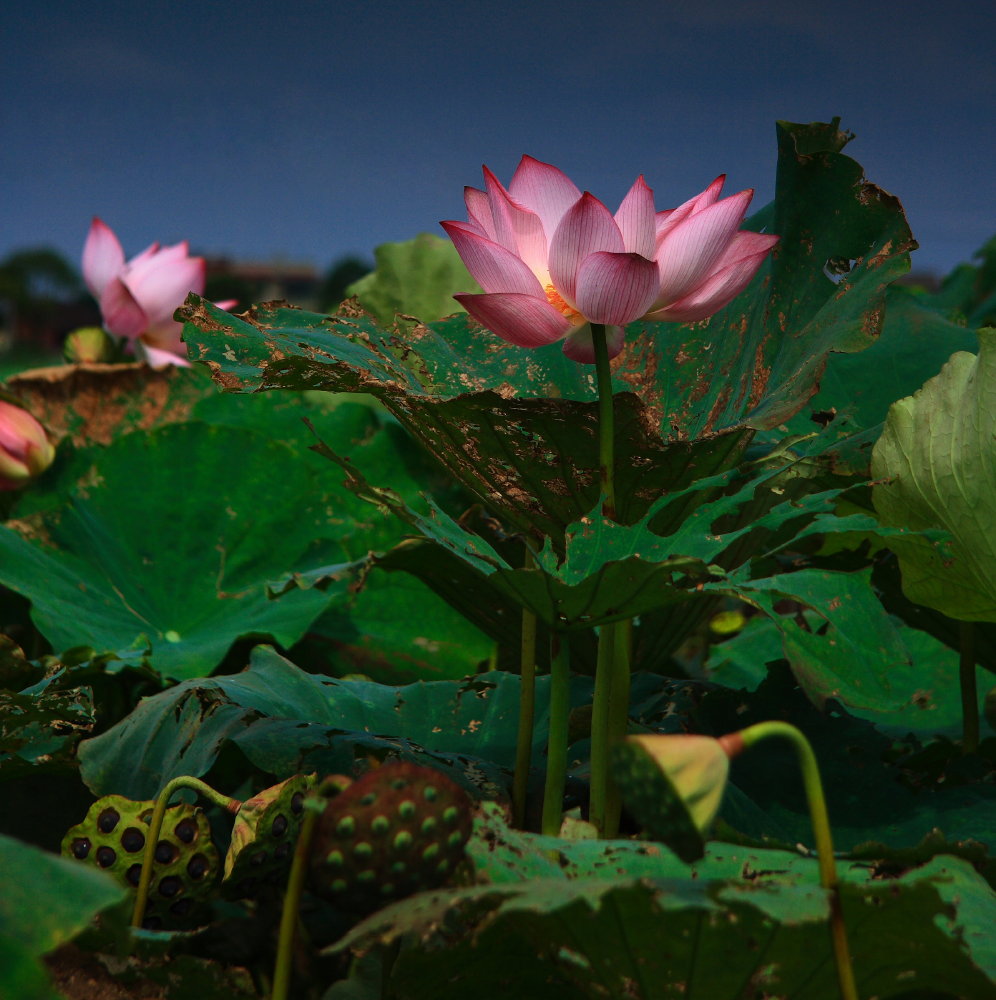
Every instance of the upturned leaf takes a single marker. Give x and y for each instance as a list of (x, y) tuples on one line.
[(934, 463), (416, 277)]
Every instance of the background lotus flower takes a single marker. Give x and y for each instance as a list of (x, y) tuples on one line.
[(25, 450), (552, 260), (138, 297)]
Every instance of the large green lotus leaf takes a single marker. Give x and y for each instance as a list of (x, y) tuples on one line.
[(418, 277), (519, 428), (286, 721), (46, 900), (167, 542), (936, 470), (676, 937)]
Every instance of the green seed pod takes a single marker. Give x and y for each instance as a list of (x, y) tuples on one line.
[(185, 865)]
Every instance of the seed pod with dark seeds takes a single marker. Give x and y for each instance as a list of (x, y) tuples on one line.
[(263, 837), (186, 865), (400, 829)]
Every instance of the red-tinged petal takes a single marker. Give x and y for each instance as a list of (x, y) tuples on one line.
[(722, 287), (690, 251), (520, 319), (173, 252), (140, 259), (498, 205), (545, 190), (709, 196), (587, 228), (159, 358), (225, 304), (616, 288), (494, 268), (161, 287), (578, 345), (517, 228), (123, 315), (103, 257), (636, 220), (479, 211), (666, 221)]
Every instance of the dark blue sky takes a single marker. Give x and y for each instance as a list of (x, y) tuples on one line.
[(314, 129)]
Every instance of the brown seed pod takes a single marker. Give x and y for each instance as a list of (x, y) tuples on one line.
[(263, 837), (400, 829)]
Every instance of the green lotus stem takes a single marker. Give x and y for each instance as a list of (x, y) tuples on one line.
[(556, 753), (969, 690), (292, 900), (601, 729), (155, 827), (527, 710), (606, 422), (821, 831), (618, 715)]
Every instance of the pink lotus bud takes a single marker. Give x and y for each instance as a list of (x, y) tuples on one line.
[(25, 450)]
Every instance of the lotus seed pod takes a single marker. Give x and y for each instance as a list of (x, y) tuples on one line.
[(400, 829), (185, 866), (264, 835)]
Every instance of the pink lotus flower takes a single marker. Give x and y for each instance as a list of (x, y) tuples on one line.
[(25, 450), (552, 260), (138, 297)]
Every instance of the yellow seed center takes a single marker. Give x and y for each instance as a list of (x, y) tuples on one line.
[(557, 301)]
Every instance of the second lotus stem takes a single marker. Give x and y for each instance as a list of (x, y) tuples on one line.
[(527, 711), (556, 756), (969, 688), (821, 832)]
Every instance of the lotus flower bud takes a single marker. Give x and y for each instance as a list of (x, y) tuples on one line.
[(88, 345), (25, 450), (673, 786), (697, 768)]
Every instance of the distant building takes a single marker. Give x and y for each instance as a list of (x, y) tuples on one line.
[(251, 281)]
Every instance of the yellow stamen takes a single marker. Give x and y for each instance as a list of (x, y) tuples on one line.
[(557, 301)]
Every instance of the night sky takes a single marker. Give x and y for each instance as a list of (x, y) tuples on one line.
[(311, 130)]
